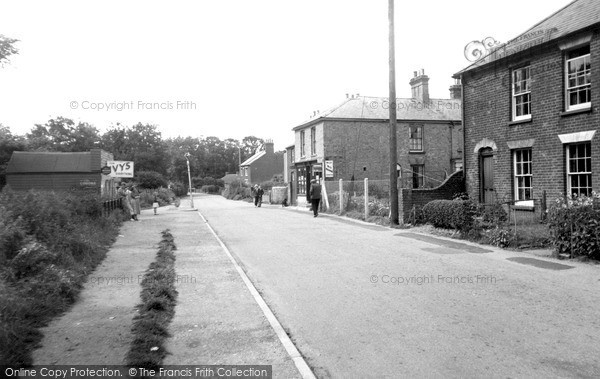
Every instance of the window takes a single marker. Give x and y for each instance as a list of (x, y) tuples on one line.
[(579, 169), (578, 79), (313, 141), (302, 140), (293, 155), (521, 94), (417, 175), (523, 175), (416, 138)]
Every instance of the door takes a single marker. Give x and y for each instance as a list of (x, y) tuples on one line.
[(488, 195)]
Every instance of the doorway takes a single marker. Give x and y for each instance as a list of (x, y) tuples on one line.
[(486, 167)]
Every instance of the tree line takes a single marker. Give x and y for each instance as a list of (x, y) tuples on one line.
[(140, 143)]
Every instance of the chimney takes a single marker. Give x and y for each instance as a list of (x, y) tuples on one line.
[(420, 86), (456, 90), (269, 147)]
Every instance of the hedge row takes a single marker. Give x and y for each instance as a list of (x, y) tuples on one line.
[(457, 214)]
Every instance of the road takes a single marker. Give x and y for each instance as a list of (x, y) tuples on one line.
[(366, 301)]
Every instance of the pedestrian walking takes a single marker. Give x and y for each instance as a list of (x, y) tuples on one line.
[(315, 196), (258, 194), (155, 203)]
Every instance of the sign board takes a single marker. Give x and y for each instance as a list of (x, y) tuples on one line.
[(329, 169), (106, 170), (87, 183), (120, 169)]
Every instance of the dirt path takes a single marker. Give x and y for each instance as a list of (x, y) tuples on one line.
[(97, 329)]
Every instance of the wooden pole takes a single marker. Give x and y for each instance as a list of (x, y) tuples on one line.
[(392, 102)]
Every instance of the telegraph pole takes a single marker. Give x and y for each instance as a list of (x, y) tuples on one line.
[(392, 102)]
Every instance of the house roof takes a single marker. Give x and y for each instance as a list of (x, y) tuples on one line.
[(253, 158), (377, 108), (33, 161), (575, 16)]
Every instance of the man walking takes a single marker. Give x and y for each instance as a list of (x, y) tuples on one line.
[(315, 196)]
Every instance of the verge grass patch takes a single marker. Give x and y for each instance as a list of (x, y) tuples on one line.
[(156, 310)]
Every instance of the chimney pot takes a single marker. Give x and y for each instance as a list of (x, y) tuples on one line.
[(347, 96), (415, 74)]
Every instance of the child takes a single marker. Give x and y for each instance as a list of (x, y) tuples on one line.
[(155, 203)]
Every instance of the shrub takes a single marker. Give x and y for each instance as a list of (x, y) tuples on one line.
[(165, 197), (457, 214), (212, 189), (575, 226), (48, 243), (493, 214), (237, 190), (150, 179), (178, 188)]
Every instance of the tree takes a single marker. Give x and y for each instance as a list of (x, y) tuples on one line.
[(8, 144), (7, 48), (140, 143), (61, 134)]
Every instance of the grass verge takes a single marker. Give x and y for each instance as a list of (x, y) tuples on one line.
[(156, 310)]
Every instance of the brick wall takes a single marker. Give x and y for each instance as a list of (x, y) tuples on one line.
[(409, 198), (361, 148), (487, 115)]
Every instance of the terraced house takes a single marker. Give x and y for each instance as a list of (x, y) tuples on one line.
[(351, 141), (531, 111)]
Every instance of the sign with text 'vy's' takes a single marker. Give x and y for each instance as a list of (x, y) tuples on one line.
[(120, 169)]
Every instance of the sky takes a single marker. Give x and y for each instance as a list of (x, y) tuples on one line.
[(232, 68)]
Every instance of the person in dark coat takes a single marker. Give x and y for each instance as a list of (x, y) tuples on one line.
[(258, 194), (315, 196)]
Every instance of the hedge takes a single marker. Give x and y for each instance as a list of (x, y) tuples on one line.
[(456, 214), (575, 227)]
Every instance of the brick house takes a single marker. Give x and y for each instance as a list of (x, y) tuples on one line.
[(60, 171), (531, 111), (351, 140), (262, 166)]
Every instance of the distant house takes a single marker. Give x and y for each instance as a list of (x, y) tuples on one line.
[(531, 111), (351, 140), (60, 171), (262, 166)]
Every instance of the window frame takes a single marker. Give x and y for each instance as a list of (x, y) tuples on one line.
[(302, 142), (517, 174), (515, 96), (415, 146), (568, 89), (313, 141), (570, 174)]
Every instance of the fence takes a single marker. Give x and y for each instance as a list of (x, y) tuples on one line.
[(366, 197), (109, 205)]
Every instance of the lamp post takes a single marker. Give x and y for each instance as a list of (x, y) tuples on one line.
[(187, 158)]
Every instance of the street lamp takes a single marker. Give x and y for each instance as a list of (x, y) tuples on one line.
[(187, 158)]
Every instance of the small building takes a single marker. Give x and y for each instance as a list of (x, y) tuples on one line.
[(531, 112), (60, 171), (351, 141), (262, 166)]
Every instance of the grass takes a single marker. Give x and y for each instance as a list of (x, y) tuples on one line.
[(156, 310), (49, 242)]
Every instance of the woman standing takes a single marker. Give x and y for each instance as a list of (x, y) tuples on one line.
[(135, 194)]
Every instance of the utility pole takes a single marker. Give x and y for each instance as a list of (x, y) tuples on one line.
[(392, 102)]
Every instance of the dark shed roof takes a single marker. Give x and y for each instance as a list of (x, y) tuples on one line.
[(33, 161)]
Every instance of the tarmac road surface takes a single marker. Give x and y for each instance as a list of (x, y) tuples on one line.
[(366, 301)]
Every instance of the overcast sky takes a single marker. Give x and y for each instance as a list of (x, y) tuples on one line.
[(237, 68)]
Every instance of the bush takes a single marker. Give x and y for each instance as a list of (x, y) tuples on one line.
[(48, 243), (237, 190), (165, 197), (150, 179), (457, 214), (493, 214), (208, 181), (212, 189), (178, 188), (575, 226)]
